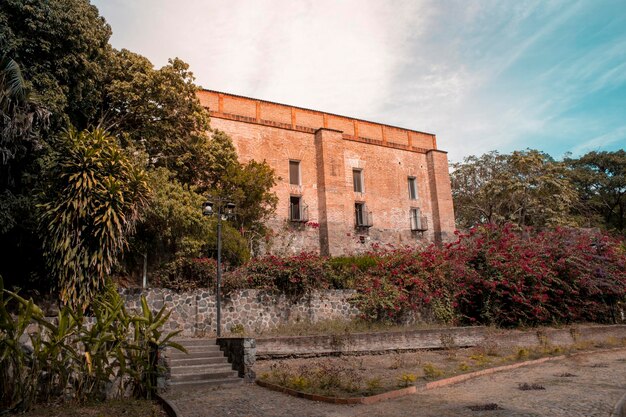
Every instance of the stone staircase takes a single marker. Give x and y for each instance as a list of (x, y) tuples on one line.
[(204, 364)]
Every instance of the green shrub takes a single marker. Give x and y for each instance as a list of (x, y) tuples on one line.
[(71, 359), (187, 274)]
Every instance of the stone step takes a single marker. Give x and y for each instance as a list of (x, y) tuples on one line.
[(211, 382), (199, 355), (206, 375), (187, 361), (198, 369), (199, 348), (196, 342)]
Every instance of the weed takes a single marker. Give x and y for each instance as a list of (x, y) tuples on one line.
[(480, 359), (566, 375), (432, 372), (407, 379), (299, 382), (463, 367), (373, 384), (523, 353), (237, 329)]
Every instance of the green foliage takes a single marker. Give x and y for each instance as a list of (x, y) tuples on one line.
[(63, 49), (157, 110), (527, 188), (186, 274), (22, 120), (93, 199), (600, 178), (171, 224), (72, 359)]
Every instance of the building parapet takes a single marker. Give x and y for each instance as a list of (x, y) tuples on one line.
[(267, 113)]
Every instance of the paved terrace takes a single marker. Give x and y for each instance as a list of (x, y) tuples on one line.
[(599, 384)]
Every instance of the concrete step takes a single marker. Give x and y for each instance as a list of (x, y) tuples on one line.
[(198, 369), (195, 354), (196, 342), (187, 361), (211, 382), (206, 375), (199, 348)]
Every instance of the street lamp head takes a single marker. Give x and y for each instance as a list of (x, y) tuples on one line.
[(207, 208), (229, 209)]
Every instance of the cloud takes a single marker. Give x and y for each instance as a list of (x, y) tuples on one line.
[(335, 56), (601, 142), (481, 75)]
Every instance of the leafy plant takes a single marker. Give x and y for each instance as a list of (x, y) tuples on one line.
[(113, 354), (93, 200)]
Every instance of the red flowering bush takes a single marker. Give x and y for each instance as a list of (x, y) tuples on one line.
[(500, 275), (509, 277), (405, 282)]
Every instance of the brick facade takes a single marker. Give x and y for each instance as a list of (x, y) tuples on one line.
[(328, 149)]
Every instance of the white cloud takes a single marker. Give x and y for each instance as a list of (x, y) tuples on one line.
[(477, 74), (338, 56)]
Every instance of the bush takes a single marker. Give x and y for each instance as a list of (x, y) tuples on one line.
[(186, 274), (510, 277), (500, 275), (71, 359), (295, 276)]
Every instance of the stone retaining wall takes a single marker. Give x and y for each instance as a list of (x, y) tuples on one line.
[(364, 343), (194, 312)]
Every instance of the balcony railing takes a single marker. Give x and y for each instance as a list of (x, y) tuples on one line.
[(298, 213), (419, 223)]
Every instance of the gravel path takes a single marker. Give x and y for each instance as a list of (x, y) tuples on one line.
[(598, 384)]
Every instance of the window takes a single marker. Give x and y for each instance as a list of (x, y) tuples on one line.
[(362, 217), (418, 223), (412, 188), (298, 211), (357, 178), (294, 172)]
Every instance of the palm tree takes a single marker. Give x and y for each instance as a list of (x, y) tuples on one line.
[(21, 116)]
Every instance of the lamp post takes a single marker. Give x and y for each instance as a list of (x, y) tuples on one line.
[(224, 211)]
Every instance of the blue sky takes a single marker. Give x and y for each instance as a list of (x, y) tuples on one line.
[(482, 75)]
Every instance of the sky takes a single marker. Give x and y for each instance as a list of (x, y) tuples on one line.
[(481, 74)]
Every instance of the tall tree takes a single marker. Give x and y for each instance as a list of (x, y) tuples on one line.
[(62, 46), (600, 178), (22, 120), (527, 188), (158, 110)]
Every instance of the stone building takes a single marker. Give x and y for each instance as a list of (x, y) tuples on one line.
[(345, 184)]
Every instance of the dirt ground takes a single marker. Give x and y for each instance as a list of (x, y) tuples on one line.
[(347, 376), (130, 408)]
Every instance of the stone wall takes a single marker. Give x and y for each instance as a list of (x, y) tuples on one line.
[(194, 312), (368, 343)]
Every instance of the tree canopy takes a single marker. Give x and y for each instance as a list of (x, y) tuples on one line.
[(106, 103), (527, 188), (600, 178)]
